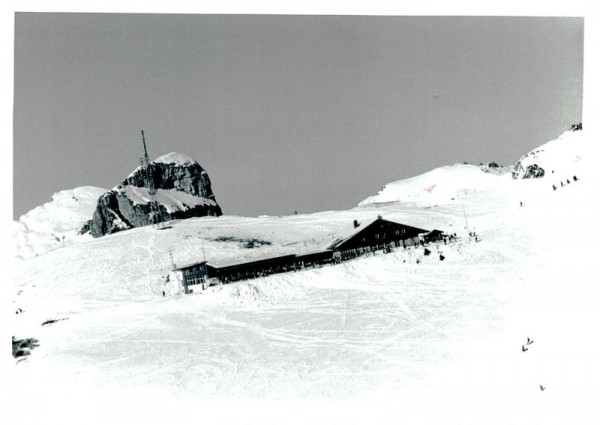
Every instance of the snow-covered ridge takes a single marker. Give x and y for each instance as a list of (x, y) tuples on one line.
[(557, 156), (436, 186), (558, 159), (47, 226), (174, 158)]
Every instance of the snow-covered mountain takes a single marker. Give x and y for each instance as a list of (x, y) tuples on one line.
[(183, 190), (561, 155), (55, 223), (379, 339)]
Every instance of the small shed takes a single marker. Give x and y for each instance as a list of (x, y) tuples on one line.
[(434, 236)]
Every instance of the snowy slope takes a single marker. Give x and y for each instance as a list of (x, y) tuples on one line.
[(380, 339), (54, 223), (437, 186), (175, 158), (560, 158)]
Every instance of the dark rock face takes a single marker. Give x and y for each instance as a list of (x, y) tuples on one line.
[(532, 171), (528, 166), (189, 178), (183, 190)]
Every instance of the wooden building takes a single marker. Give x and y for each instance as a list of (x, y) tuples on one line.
[(379, 234), (314, 258), (253, 269)]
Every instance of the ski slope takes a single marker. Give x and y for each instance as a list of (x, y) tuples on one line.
[(380, 339)]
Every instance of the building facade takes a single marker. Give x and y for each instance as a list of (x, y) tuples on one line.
[(374, 236)]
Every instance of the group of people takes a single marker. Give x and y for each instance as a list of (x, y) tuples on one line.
[(554, 187), (449, 238)]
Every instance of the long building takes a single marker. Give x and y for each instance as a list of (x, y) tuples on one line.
[(378, 234)]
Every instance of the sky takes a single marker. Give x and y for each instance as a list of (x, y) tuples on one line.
[(285, 113)]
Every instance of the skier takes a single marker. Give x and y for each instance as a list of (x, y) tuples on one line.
[(553, 187), (523, 349), (574, 178), (529, 341), (521, 202)]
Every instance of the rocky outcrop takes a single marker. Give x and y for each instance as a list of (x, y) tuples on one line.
[(494, 168), (182, 190), (528, 168), (55, 223), (533, 171)]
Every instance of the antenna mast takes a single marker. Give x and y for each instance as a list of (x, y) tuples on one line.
[(466, 222), (146, 159), (157, 217), (173, 266)]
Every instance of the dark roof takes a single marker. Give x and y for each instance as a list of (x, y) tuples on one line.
[(254, 262), (314, 254), (344, 238), (190, 265), (349, 235)]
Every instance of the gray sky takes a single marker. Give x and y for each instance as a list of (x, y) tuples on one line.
[(285, 113)]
